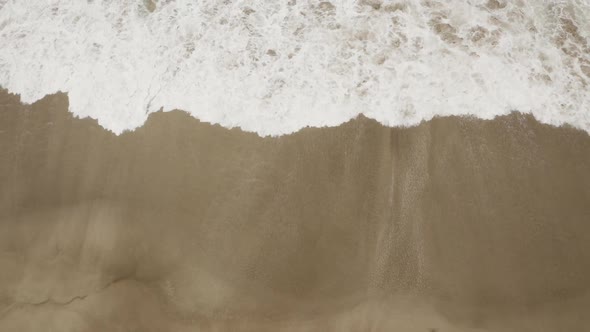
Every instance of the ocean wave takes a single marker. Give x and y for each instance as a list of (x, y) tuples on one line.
[(274, 68)]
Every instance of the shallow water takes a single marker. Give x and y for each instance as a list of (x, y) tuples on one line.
[(274, 68), (458, 224)]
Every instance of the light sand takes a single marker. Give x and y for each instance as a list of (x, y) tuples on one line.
[(455, 225)]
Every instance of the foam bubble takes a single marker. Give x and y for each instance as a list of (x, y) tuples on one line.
[(274, 68)]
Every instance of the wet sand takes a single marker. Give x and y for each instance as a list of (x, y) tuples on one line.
[(458, 224)]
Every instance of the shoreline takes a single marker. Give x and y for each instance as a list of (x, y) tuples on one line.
[(358, 117)]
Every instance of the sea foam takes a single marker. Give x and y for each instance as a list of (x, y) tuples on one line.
[(273, 67)]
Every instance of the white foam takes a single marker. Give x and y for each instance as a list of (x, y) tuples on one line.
[(273, 67)]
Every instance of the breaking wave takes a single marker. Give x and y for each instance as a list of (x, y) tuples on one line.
[(274, 67)]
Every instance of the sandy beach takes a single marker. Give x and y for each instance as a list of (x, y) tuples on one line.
[(458, 224)]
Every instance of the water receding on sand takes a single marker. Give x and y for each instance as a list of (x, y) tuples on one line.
[(458, 224)]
